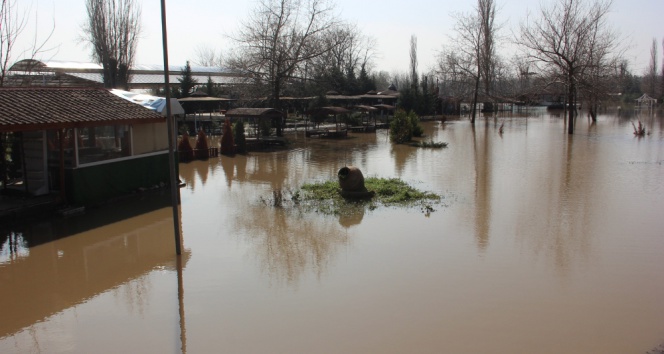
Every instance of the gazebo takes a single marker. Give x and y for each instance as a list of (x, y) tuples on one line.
[(365, 127), (198, 106), (327, 111), (274, 116), (387, 110), (645, 102)]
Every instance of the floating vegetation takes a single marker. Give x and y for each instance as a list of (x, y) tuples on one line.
[(429, 144), (325, 197)]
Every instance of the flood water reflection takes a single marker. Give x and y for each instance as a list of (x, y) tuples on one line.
[(543, 242)]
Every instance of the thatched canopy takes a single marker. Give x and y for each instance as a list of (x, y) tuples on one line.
[(258, 113), (327, 110), (364, 108), (384, 107)]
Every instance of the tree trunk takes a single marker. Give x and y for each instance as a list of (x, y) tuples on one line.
[(570, 102), (593, 107), (477, 88)]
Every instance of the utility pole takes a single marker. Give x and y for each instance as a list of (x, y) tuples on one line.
[(175, 191)]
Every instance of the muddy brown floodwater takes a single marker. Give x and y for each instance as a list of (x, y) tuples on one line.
[(543, 243)]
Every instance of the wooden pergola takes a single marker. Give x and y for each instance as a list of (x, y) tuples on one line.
[(256, 114), (366, 127), (327, 111)]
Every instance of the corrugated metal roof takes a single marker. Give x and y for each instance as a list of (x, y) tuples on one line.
[(65, 66), (48, 108), (153, 79)]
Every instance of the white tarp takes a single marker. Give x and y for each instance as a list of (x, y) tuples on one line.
[(157, 104)]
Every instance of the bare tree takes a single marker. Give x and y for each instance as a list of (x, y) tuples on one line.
[(651, 76), (350, 53), (207, 57), (473, 49), (12, 24), (661, 88), (522, 88), (567, 40), (598, 77), (278, 39), (464, 58), (486, 11), (112, 30), (349, 48)]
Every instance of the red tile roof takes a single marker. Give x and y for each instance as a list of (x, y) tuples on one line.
[(34, 108)]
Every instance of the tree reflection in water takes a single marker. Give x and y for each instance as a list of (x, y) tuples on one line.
[(289, 243)]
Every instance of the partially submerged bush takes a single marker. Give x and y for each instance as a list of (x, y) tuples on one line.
[(430, 144), (202, 151), (184, 146), (326, 197), (639, 130), (240, 138), (404, 127), (227, 142)]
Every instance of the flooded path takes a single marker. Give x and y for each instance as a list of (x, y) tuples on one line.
[(543, 243)]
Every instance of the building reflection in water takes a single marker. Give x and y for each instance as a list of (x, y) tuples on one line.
[(51, 266)]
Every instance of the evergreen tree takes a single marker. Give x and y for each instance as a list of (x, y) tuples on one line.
[(238, 136), (210, 87), (365, 82), (187, 81)]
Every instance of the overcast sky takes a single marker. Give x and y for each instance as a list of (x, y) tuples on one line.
[(205, 23)]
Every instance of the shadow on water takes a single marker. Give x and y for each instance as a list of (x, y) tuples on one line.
[(38, 231)]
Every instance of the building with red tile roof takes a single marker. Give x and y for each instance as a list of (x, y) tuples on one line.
[(86, 145)]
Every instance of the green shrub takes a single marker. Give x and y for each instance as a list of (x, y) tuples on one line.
[(414, 120), (404, 127), (400, 131)]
